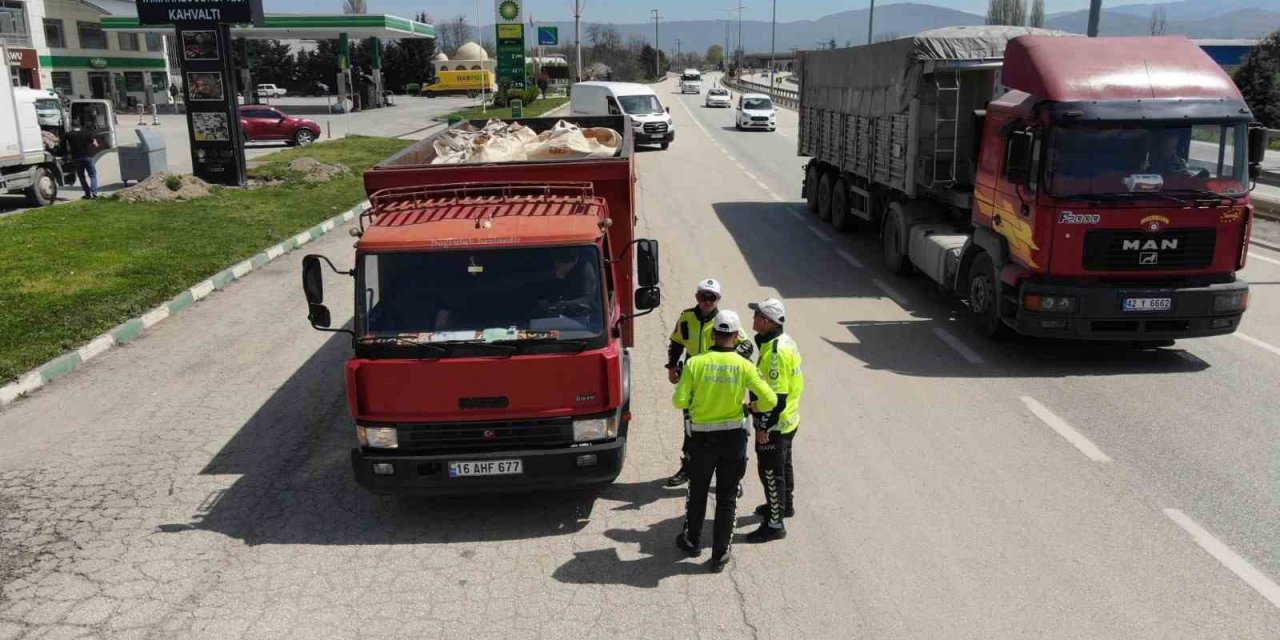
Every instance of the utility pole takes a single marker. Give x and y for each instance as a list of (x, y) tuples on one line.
[(677, 60), (657, 50), (740, 51), (577, 37), (1095, 12), (773, 45), (871, 21)]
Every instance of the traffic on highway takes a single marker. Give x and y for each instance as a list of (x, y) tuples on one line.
[(976, 340)]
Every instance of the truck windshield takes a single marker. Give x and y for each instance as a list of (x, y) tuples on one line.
[(489, 295), (1206, 159), (640, 105)]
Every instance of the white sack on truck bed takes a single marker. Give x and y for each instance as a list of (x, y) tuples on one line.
[(500, 141)]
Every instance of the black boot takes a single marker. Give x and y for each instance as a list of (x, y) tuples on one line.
[(766, 533), (691, 549), (763, 511), (680, 478), (718, 563)]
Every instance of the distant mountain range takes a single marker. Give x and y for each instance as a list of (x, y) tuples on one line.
[(1193, 18)]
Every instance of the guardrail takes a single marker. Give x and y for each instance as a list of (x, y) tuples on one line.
[(782, 97)]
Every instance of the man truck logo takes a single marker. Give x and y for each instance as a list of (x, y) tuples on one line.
[(1068, 217), (1150, 245), (490, 434), (1148, 257), (1154, 223)]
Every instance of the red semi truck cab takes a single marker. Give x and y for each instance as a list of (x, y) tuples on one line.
[(493, 321), (1115, 174)]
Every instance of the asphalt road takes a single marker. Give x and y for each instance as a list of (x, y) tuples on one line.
[(195, 483)]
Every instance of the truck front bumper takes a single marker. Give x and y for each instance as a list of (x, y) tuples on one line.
[(1100, 312), (542, 469)]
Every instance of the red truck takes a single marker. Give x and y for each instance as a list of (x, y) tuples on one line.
[(1084, 188), (493, 320)]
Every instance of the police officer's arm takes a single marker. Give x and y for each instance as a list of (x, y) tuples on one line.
[(676, 348), (683, 397), (766, 399), (745, 346)]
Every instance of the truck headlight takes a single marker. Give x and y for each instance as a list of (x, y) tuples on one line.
[(1049, 304), (377, 437), (1234, 301), (595, 429)]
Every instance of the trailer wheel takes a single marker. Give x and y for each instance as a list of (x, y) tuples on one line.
[(895, 250), (984, 299), (842, 219), (43, 190), (824, 197), (812, 177)]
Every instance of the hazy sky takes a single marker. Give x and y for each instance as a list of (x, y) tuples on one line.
[(638, 10)]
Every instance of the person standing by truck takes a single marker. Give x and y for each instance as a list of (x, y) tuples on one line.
[(712, 389), (691, 337), (81, 143), (779, 366)]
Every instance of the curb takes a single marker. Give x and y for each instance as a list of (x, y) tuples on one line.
[(132, 328), (1265, 245)]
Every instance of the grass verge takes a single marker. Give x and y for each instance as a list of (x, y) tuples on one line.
[(71, 272), (532, 111)]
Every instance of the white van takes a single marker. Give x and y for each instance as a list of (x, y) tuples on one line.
[(691, 81), (650, 121)]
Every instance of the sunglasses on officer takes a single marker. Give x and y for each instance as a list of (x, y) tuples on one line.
[(704, 296)]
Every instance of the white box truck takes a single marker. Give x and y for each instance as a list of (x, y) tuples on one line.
[(34, 157)]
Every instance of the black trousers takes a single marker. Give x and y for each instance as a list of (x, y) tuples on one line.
[(777, 474), (722, 454)]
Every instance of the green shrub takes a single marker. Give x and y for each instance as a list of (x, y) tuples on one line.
[(174, 183)]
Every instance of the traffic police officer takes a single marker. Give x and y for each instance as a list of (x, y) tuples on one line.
[(712, 389), (692, 336), (779, 366)]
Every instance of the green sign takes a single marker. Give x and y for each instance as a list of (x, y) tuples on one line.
[(517, 108), (510, 55), (548, 36)]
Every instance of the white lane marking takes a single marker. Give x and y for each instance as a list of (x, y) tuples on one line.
[(1263, 258), (795, 214), (890, 291), (958, 346), (1258, 343), (1229, 559), (822, 235), (752, 177), (1059, 425), (848, 257)]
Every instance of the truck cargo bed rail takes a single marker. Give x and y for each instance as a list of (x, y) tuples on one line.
[(479, 201)]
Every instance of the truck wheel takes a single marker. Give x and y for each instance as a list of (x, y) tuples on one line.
[(812, 176), (824, 197), (842, 219), (43, 190), (984, 299), (895, 250)]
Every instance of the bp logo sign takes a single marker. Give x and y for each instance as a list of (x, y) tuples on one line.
[(509, 10)]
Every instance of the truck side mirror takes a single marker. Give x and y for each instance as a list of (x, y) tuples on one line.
[(318, 315), (1017, 167), (313, 280), (647, 262), (648, 298), (1258, 137)]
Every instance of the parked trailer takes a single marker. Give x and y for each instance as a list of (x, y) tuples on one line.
[(1067, 187)]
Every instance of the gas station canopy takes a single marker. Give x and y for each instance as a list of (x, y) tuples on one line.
[(302, 27)]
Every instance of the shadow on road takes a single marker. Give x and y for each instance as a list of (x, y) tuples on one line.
[(296, 484), (661, 559)]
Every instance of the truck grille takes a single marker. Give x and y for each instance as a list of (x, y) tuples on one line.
[(1126, 250), (486, 436), (655, 127)]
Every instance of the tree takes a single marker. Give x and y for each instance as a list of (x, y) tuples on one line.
[(1036, 18), (715, 54), (1007, 12), (408, 61), (831, 44), (1158, 21), (646, 60), (355, 7), (454, 33), (1257, 80)]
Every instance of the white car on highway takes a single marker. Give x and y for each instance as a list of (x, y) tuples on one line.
[(719, 97), (755, 111)]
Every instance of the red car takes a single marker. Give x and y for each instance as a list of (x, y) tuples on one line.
[(262, 123)]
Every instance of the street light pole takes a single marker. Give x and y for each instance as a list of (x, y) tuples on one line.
[(577, 36), (657, 51), (740, 52), (871, 21), (773, 45), (1095, 12)]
